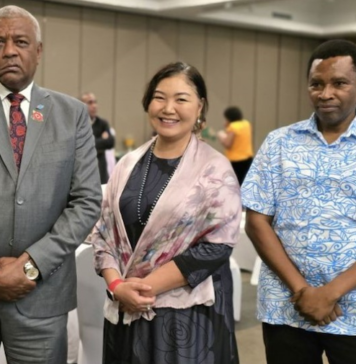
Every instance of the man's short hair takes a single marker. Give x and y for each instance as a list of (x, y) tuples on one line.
[(12, 11), (333, 48), (233, 113)]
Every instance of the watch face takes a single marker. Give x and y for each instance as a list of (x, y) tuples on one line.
[(32, 273)]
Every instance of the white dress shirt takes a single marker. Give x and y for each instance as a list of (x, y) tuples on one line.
[(25, 104)]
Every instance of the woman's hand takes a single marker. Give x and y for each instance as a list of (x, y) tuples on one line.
[(149, 293), (132, 296)]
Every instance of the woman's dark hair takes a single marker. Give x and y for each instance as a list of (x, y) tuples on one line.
[(173, 69), (233, 113), (333, 48)]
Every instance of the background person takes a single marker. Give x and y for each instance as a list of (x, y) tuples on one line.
[(104, 140), (50, 198), (237, 140), (300, 196), (170, 218)]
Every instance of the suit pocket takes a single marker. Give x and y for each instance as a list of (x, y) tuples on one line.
[(56, 152)]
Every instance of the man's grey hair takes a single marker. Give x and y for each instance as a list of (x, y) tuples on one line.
[(12, 11)]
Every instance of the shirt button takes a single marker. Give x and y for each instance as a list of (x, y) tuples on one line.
[(20, 201), (11, 242)]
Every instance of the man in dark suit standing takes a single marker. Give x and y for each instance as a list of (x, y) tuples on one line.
[(50, 198), (104, 140)]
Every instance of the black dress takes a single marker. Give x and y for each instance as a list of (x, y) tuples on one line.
[(200, 334)]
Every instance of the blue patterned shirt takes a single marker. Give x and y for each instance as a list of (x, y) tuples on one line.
[(309, 187)]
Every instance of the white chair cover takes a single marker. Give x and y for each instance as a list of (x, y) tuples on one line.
[(2, 355), (237, 288), (244, 252), (256, 272), (91, 296)]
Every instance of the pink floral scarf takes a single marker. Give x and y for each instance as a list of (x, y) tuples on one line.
[(201, 203)]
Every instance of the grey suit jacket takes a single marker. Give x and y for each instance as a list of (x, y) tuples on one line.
[(50, 206)]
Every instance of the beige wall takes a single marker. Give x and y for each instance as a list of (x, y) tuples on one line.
[(114, 54)]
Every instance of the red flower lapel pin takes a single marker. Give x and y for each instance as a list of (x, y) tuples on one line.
[(36, 114)]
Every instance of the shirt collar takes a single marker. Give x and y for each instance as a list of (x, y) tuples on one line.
[(4, 92), (309, 125)]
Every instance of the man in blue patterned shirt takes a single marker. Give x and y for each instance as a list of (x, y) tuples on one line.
[(300, 195)]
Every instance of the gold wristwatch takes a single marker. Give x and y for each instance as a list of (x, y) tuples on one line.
[(32, 273)]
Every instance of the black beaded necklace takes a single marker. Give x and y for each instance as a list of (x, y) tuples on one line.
[(143, 187)]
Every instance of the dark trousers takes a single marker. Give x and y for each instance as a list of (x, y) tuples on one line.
[(241, 168), (289, 345)]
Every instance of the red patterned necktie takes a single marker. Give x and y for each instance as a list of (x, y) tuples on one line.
[(17, 127)]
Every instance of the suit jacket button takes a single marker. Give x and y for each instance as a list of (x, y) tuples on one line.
[(11, 241)]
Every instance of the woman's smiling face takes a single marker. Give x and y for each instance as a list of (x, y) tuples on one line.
[(174, 108)]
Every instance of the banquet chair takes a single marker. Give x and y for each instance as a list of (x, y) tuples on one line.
[(91, 297), (2, 355), (237, 288), (244, 252), (256, 271), (73, 337)]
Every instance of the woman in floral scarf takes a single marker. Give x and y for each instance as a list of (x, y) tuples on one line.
[(170, 218)]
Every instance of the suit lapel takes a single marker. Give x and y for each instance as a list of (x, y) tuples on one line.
[(6, 152), (41, 102)]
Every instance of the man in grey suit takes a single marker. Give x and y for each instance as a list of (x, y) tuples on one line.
[(50, 198)]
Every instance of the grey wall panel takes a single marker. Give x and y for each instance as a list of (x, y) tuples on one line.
[(289, 80), (191, 44), (97, 55), (218, 74), (162, 44), (266, 86), (130, 78), (62, 48), (305, 109), (114, 55), (243, 72)]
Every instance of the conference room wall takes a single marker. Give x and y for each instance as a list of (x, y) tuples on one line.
[(114, 54)]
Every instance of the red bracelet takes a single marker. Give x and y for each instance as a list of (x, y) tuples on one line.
[(114, 284)]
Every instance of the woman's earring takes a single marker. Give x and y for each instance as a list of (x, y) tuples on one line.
[(197, 126)]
